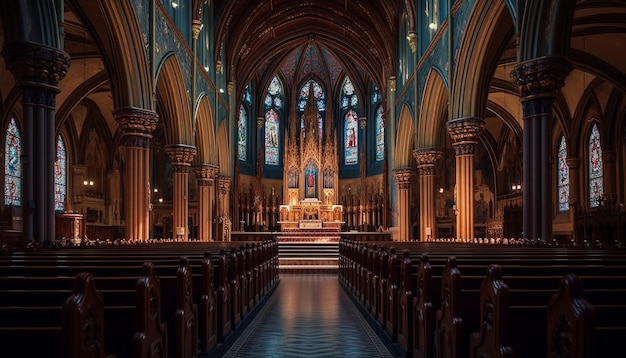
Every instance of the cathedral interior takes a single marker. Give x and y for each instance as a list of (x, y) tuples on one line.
[(212, 121), (176, 119)]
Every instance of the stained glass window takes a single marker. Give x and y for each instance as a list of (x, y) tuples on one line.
[(596, 184), (380, 134), (303, 99), (273, 104), (242, 129), (12, 165), (351, 138), (563, 176), (242, 125), (350, 103), (271, 137), (60, 175)]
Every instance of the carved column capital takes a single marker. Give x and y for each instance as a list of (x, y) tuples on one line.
[(223, 184), (181, 156), (137, 125), (403, 177), (196, 26), (230, 86), (392, 83), (205, 173), (464, 133), (540, 77), (427, 160), (573, 163), (36, 64)]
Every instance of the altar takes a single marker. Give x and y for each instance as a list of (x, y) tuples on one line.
[(310, 213), (311, 173)]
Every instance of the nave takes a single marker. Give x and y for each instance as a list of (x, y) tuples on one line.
[(308, 315)]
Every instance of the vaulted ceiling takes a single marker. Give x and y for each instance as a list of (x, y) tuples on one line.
[(360, 35)]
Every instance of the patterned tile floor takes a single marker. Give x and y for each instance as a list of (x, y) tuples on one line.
[(309, 315)]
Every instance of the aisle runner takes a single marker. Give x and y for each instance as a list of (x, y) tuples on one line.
[(308, 316)]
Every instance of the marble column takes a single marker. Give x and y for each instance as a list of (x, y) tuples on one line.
[(426, 162), (137, 126), (205, 174), (223, 208), (37, 69), (403, 178), (464, 133), (538, 81), (181, 156)]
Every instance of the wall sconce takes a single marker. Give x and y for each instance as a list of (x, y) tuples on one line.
[(156, 190), (432, 26), (516, 187), (440, 190), (160, 200), (174, 4), (412, 37), (88, 182)]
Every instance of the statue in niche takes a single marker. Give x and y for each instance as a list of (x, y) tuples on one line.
[(311, 179)]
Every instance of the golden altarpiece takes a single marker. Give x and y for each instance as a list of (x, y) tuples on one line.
[(310, 174)]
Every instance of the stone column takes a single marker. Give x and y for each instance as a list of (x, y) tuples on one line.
[(403, 178), (574, 191), (426, 161), (137, 126), (223, 206), (37, 69), (181, 156), (539, 81), (205, 173), (464, 133)]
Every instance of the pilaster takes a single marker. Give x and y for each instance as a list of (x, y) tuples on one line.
[(464, 133), (427, 159), (37, 69), (181, 156), (538, 81), (403, 177), (205, 174), (137, 126)]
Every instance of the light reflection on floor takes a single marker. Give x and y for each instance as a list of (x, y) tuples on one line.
[(309, 315)]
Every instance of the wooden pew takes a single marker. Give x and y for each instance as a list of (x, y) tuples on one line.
[(211, 298)]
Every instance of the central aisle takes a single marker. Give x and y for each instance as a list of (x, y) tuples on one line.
[(309, 315)]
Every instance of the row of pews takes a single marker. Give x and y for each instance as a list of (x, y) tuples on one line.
[(141, 300), (468, 300)]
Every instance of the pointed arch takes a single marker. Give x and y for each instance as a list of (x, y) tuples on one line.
[(433, 111), (115, 28), (479, 52), (174, 103), (205, 133), (223, 148), (404, 139)]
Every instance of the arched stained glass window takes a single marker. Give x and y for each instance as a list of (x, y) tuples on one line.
[(563, 176), (272, 126), (596, 183), (12, 165), (349, 104), (303, 99), (380, 134), (351, 138), (242, 125), (60, 175), (273, 105), (242, 133)]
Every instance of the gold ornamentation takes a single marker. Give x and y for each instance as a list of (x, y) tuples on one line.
[(392, 83), (137, 125), (427, 159), (181, 156), (31, 62), (542, 76), (412, 38), (403, 177)]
